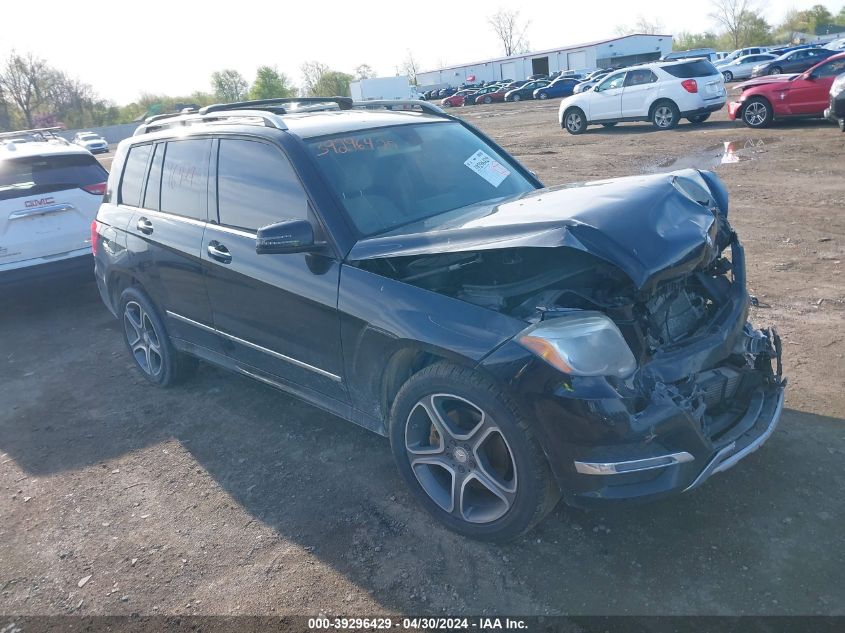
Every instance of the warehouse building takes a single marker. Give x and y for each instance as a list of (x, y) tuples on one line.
[(624, 50)]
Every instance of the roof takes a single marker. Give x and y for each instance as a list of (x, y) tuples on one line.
[(338, 121), (545, 52), (10, 150), (304, 124)]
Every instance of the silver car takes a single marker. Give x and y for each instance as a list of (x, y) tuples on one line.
[(741, 67)]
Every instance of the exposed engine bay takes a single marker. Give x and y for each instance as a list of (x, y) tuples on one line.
[(535, 283)]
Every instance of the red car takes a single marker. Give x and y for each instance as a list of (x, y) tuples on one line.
[(457, 99), (781, 96)]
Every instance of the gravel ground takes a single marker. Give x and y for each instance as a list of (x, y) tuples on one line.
[(224, 496)]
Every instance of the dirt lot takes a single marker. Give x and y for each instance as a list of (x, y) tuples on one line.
[(224, 496)]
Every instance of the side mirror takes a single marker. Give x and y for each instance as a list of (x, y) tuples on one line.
[(288, 236)]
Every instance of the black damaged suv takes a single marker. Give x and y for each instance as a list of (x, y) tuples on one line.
[(391, 264)]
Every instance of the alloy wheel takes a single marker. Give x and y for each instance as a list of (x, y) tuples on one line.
[(143, 340), (461, 458), (755, 113), (663, 116), (573, 122)]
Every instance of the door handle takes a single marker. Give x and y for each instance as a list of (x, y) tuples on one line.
[(219, 252), (145, 226)]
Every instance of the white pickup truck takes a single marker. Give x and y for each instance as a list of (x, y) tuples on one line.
[(50, 191)]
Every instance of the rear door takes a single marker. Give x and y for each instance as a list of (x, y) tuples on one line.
[(47, 204), (638, 92), (605, 101), (166, 186), (276, 313)]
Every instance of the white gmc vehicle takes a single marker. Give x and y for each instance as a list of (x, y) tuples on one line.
[(50, 191), (660, 92)]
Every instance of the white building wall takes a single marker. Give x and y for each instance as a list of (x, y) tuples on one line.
[(569, 58)]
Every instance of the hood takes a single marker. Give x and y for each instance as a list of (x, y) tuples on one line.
[(766, 79), (647, 226)]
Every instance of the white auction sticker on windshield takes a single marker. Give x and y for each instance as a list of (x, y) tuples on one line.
[(485, 166)]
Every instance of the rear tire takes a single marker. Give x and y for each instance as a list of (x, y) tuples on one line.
[(777, 70), (543, 95), (148, 342), (575, 121), (665, 115), (488, 100), (757, 113), (468, 455), (516, 98), (728, 75)]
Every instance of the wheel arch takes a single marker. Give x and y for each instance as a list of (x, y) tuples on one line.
[(659, 101), (403, 364)]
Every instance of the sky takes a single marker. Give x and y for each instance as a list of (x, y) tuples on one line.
[(125, 48)]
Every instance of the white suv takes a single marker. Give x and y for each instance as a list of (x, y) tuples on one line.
[(50, 191), (660, 92)]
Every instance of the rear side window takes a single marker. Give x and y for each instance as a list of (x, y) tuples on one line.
[(695, 68), (184, 182), (256, 186), (133, 175), (41, 174)]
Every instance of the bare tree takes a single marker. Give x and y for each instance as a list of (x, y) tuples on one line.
[(510, 31), (312, 72), (22, 81), (641, 25), (410, 67), (364, 71), (229, 85), (732, 14)]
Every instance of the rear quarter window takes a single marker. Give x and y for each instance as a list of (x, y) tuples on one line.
[(40, 174), (133, 175), (695, 68)]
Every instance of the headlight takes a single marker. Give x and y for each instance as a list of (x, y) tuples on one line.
[(838, 86), (581, 344)]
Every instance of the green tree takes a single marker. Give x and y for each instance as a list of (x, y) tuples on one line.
[(229, 85), (312, 72), (754, 30), (271, 84), (840, 17), (685, 41), (332, 83), (818, 15)]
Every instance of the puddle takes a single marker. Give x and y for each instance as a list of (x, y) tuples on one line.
[(712, 157)]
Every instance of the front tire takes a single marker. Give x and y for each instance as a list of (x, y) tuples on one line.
[(575, 121), (777, 70), (468, 455), (757, 113), (842, 125), (515, 98), (147, 341), (728, 75), (488, 100), (543, 95), (665, 115)]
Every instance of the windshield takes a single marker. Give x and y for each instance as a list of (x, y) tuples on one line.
[(389, 177)]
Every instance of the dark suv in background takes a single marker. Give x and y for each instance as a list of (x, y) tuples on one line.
[(391, 264)]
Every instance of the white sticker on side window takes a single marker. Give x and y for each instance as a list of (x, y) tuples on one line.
[(485, 166)]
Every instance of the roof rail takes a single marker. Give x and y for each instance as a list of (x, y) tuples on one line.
[(276, 105), (47, 132), (161, 122), (402, 104)]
